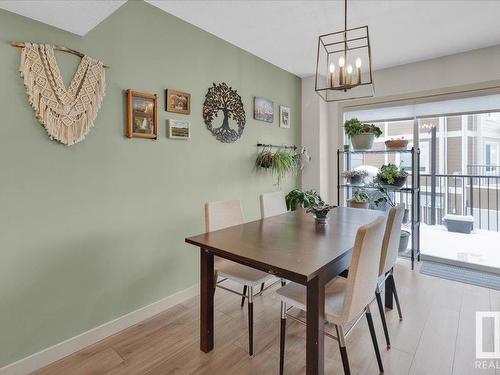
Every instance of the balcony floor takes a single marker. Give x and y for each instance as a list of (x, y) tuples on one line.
[(479, 250)]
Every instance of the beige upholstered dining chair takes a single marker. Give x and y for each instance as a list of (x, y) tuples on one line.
[(272, 204), (220, 215), (388, 257), (346, 300)]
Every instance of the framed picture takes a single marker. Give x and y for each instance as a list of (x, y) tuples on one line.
[(177, 102), (284, 117), (178, 129), (263, 109), (142, 120)]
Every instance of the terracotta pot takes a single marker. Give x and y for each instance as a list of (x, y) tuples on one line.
[(396, 144), (354, 204)]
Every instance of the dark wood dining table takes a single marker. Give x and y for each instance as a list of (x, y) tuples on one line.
[(290, 246)]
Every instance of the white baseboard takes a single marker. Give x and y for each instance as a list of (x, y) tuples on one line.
[(47, 356)]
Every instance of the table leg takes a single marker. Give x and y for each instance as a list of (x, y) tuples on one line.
[(389, 292), (206, 301), (315, 339)]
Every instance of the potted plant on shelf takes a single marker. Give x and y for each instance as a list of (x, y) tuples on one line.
[(320, 212), (355, 177), (359, 200), (362, 135), (396, 144), (391, 176), (298, 198)]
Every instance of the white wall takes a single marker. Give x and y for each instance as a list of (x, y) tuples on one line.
[(321, 129)]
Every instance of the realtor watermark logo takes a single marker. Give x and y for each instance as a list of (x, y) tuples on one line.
[(487, 356)]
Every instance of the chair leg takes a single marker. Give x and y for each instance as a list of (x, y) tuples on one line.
[(250, 320), (382, 317), (244, 294), (261, 287), (374, 339), (283, 282), (396, 298), (343, 350), (282, 337)]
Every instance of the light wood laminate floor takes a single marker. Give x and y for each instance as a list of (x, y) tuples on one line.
[(436, 337)]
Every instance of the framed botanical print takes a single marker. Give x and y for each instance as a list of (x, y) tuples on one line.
[(177, 101), (284, 117), (142, 120)]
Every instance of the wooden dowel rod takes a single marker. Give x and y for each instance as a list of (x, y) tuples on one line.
[(58, 48)]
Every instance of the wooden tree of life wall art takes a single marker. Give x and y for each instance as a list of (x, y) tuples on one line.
[(222, 98)]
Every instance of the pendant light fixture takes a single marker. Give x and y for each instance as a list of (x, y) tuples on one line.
[(344, 64)]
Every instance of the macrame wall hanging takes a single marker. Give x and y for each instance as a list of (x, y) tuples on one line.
[(67, 114)]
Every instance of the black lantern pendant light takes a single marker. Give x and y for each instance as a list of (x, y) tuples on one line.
[(344, 64)]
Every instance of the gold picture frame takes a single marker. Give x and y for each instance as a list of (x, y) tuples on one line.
[(142, 117), (177, 102)]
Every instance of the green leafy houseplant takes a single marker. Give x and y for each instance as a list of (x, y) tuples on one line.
[(391, 175), (354, 176), (355, 127), (320, 211), (362, 135), (298, 198)]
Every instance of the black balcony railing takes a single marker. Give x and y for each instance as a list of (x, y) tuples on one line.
[(483, 169), (477, 195)]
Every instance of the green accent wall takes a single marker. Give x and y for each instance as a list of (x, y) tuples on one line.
[(96, 230)]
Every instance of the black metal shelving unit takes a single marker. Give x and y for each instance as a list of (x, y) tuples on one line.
[(412, 190)]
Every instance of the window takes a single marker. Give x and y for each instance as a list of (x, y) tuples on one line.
[(490, 156)]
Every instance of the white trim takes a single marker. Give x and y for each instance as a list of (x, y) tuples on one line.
[(49, 355)]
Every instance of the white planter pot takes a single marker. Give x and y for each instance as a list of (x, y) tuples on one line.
[(362, 141)]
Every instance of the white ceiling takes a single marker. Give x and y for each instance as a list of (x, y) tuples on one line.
[(285, 32), (75, 16)]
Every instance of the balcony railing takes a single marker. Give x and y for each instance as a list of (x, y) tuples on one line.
[(483, 169), (477, 195)]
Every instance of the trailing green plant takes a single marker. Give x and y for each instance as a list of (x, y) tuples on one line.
[(355, 127), (390, 172), (320, 210), (360, 196), (301, 158), (282, 161), (355, 173), (298, 198)]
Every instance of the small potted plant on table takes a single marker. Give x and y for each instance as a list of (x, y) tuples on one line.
[(391, 176), (359, 200), (361, 135), (320, 212), (355, 177)]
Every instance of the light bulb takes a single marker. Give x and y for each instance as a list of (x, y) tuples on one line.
[(341, 61), (358, 63), (332, 67), (349, 68)]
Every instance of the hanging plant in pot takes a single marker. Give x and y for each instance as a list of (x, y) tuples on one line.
[(361, 135), (391, 176), (282, 162)]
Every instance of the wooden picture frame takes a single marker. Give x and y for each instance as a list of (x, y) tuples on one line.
[(177, 102), (142, 115)]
